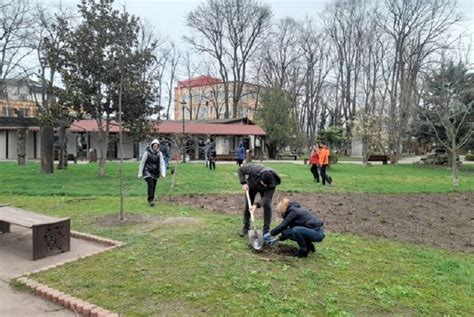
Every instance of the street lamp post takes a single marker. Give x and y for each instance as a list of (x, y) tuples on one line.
[(183, 103)]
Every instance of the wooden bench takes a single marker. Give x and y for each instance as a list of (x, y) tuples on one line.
[(225, 157), (50, 235), (378, 158), (284, 155), (72, 157)]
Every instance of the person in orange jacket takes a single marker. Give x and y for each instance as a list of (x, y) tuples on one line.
[(314, 161), (324, 161)]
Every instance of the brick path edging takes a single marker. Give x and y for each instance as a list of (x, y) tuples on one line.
[(69, 302)]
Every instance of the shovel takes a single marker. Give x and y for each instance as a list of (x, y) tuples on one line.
[(255, 236)]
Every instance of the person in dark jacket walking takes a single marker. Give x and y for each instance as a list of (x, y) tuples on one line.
[(166, 151), (240, 154), (212, 158), (256, 178), (299, 225), (152, 166)]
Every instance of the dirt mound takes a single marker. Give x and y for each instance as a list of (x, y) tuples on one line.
[(439, 220)]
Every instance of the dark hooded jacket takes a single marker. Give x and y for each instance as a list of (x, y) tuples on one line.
[(250, 174), (297, 216), (241, 152), (152, 163)]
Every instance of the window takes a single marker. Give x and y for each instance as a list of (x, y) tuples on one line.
[(8, 111), (23, 112), (23, 97)]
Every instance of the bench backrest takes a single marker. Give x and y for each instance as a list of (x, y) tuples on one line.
[(25, 218)]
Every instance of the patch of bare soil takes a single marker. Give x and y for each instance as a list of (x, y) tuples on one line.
[(439, 220)]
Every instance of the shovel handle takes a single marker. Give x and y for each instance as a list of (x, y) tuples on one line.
[(250, 204)]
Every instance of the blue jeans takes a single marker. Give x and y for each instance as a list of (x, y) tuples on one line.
[(303, 236)]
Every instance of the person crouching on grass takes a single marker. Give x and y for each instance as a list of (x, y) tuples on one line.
[(299, 225), (152, 166)]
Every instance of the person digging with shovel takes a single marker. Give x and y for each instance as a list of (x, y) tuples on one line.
[(299, 225), (256, 178)]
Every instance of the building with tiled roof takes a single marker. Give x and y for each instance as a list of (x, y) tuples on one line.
[(202, 98), (83, 136)]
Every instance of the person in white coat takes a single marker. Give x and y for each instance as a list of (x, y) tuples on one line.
[(152, 166)]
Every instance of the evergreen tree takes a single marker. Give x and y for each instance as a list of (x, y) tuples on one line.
[(102, 62), (277, 120)]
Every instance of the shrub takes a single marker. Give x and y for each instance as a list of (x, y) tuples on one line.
[(469, 157)]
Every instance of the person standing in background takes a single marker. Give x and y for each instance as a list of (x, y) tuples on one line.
[(324, 161), (240, 154), (166, 151), (314, 161), (212, 157), (206, 152)]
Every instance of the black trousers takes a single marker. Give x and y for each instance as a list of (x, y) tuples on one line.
[(265, 202), (212, 164), (151, 182), (315, 172), (324, 175)]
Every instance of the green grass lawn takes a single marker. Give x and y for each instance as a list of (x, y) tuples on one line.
[(198, 266), (82, 180)]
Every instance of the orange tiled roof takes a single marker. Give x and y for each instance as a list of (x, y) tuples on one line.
[(176, 127), (199, 81)]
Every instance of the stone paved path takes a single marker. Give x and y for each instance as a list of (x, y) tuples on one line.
[(15, 260)]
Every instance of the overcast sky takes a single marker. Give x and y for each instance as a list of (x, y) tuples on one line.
[(168, 16)]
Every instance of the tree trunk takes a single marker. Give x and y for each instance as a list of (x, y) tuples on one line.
[(47, 159), (103, 143), (21, 146), (454, 165), (365, 152), (62, 156)]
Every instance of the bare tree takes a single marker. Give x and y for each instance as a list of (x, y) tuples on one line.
[(316, 66), (417, 28), (191, 69), (280, 52), (346, 25), (448, 108), (149, 37), (15, 29), (373, 91), (229, 31), (175, 57)]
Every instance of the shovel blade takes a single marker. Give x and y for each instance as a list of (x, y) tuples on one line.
[(256, 239)]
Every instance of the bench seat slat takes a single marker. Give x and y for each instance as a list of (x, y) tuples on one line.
[(24, 218)]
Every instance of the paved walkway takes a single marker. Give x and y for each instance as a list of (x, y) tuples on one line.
[(16, 259)]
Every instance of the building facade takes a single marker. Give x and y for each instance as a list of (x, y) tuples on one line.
[(203, 98), (83, 139), (19, 98)]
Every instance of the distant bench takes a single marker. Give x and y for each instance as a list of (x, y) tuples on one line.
[(287, 155), (378, 158), (225, 157), (70, 157), (50, 234)]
